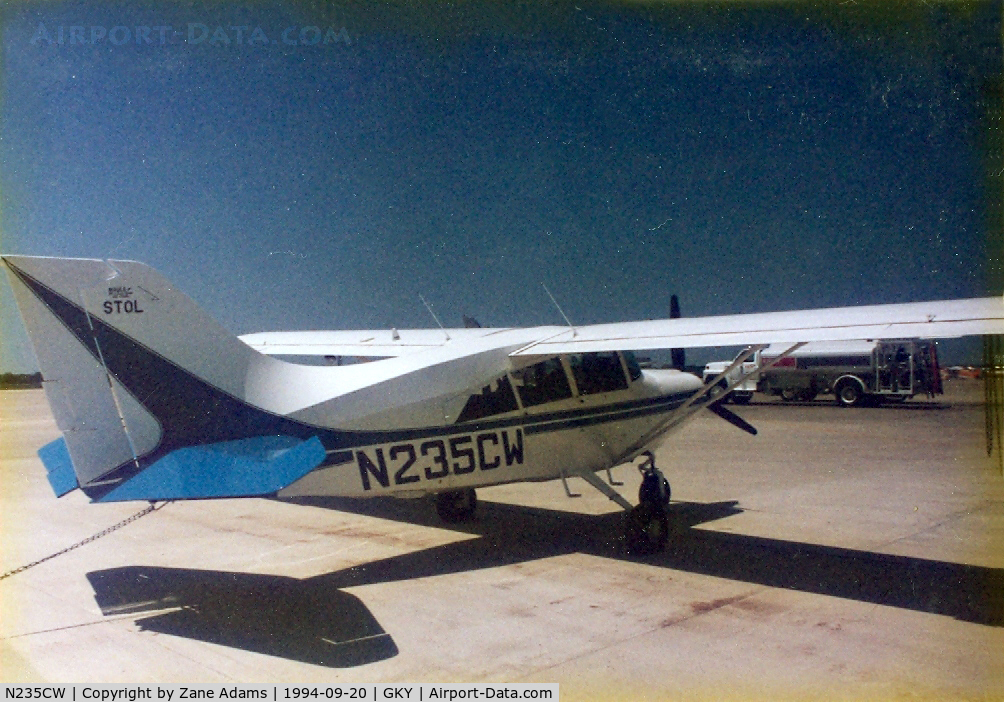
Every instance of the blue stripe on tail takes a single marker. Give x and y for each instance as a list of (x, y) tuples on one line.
[(261, 465)]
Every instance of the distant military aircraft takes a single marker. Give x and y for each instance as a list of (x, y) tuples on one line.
[(157, 401)]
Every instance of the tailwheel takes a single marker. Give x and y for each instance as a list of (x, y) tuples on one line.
[(456, 506), (648, 523)]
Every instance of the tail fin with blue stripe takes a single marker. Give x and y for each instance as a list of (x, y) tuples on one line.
[(148, 390)]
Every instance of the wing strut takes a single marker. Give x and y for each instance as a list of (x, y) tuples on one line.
[(689, 409), (598, 483)]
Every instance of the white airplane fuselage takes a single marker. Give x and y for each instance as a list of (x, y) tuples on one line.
[(567, 436)]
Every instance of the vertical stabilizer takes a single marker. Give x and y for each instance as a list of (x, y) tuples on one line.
[(134, 370), (78, 387)]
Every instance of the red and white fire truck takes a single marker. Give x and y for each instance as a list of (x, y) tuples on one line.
[(853, 371)]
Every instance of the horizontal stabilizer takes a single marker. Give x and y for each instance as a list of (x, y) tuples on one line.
[(244, 468), (59, 468)]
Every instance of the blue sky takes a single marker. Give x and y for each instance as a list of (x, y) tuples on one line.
[(745, 157)]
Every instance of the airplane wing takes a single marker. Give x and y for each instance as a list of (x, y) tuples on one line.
[(368, 343), (937, 319), (930, 320)]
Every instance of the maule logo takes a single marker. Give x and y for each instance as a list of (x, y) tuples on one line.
[(119, 293)]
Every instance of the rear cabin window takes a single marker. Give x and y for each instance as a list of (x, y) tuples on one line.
[(496, 398), (542, 382), (597, 372)]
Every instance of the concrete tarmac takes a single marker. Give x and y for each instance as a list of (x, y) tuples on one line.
[(840, 554)]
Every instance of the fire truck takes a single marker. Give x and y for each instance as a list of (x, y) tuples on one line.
[(852, 371)]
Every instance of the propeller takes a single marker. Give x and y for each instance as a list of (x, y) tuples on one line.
[(679, 358), (731, 417)]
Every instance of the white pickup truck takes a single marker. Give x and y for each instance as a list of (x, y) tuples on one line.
[(743, 392)]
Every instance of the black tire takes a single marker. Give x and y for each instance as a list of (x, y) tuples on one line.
[(788, 395), (849, 392), (457, 506), (647, 529), (651, 491), (807, 395)]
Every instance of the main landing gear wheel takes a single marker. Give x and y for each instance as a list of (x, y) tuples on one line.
[(654, 486), (648, 523), (456, 506)]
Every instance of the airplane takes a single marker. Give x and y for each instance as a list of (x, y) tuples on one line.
[(156, 401)]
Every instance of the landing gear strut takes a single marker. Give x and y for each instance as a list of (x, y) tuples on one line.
[(456, 506), (648, 523)]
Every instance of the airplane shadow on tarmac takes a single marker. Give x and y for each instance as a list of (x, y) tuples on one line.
[(512, 534), (314, 621), (302, 620)]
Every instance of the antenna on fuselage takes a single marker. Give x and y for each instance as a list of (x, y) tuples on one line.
[(428, 307), (571, 326)]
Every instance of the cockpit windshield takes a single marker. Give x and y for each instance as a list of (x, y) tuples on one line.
[(597, 372)]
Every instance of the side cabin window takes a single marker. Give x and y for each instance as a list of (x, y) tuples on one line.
[(597, 372), (495, 398), (542, 382)]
